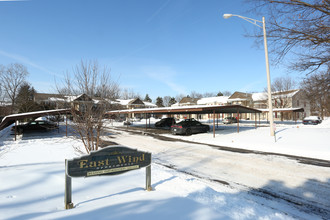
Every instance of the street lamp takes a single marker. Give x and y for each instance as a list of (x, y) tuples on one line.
[(255, 22)]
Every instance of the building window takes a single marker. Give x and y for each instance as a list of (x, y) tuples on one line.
[(297, 102)]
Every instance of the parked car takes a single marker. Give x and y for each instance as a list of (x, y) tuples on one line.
[(165, 122), (188, 127), (127, 122), (37, 125), (229, 120), (312, 120)]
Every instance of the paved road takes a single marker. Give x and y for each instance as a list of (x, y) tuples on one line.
[(305, 186)]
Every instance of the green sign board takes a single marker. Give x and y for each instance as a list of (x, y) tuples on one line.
[(111, 160), (108, 161)]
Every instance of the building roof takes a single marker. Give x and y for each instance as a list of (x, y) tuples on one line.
[(194, 109), (283, 110), (285, 94), (9, 119), (47, 96), (240, 96), (149, 104), (259, 96), (213, 100), (188, 101)]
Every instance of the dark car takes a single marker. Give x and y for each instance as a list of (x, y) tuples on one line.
[(165, 122), (312, 120), (40, 125), (188, 127), (229, 120)]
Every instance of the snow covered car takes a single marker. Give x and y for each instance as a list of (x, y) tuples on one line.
[(37, 125), (312, 120), (165, 122), (188, 127)]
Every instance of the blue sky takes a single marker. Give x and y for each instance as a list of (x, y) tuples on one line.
[(159, 47)]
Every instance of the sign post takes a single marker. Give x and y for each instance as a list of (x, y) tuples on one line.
[(68, 189), (148, 178), (112, 160)]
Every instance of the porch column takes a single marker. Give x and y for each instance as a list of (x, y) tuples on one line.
[(15, 129), (213, 123), (255, 119), (237, 120), (66, 124)]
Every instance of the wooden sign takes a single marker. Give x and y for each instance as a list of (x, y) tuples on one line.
[(111, 160)]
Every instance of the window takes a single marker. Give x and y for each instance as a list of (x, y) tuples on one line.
[(298, 102)]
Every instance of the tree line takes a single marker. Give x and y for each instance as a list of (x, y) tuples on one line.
[(15, 88)]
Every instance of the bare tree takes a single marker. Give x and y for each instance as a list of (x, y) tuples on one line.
[(317, 89), (226, 93), (300, 27), (129, 94), (12, 77), (281, 90), (93, 88), (179, 97), (209, 94), (195, 94), (281, 84), (166, 100), (2, 69)]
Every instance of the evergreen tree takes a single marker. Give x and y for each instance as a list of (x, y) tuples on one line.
[(147, 98), (24, 99), (25, 93), (219, 94), (172, 101), (159, 102)]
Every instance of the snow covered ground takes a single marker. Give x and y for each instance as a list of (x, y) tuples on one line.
[(32, 178), (291, 138)]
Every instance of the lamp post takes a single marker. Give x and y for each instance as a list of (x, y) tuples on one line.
[(270, 105)]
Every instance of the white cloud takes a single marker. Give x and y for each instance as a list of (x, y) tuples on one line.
[(26, 61), (165, 75)]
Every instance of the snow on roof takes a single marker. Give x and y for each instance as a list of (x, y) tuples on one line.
[(33, 113), (285, 94), (237, 99), (124, 101), (54, 99), (259, 96), (168, 108), (70, 98), (279, 109), (149, 104), (213, 100)]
